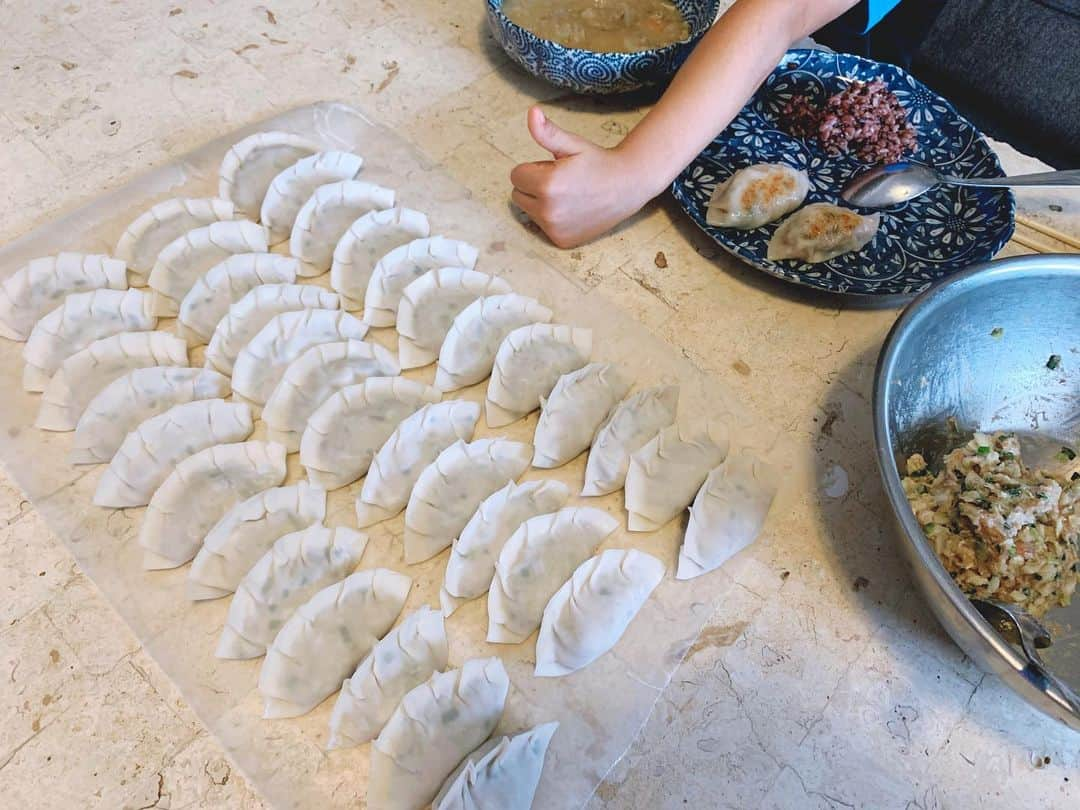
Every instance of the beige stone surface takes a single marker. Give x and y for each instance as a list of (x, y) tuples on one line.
[(824, 684)]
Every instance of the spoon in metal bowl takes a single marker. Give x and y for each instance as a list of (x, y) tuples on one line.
[(895, 183)]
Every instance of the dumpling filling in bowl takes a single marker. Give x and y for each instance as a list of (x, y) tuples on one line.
[(601, 26)]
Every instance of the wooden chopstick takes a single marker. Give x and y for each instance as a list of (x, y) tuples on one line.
[(1046, 230), (1036, 246)]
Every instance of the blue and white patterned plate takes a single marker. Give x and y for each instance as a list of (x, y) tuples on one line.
[(920, 241)]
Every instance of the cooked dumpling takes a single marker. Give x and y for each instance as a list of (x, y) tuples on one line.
[(86, 373), (327, 214), (260, 305), (668, 470), (437, 724), (297, 567), (261, 364), (252, 164), (151, 231), (574, 411), (472, 557), (184, 261), (820, 232), (429, 305), (344, 433), (313, 377), (404, 659), (500, 775), (368, 239), (294, 186), (591, 611), (78, 322), (468, 352), (757, 194), (246, 532), (208, 301), (635, 421), (727, 514), (326, 638), (413, 445), (151, 451), (41, 285), (540, 556), (527, 366), (451, 488), (201, 489), (403, 265), (127, 402)]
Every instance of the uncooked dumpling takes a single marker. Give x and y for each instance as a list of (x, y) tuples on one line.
[(78, 322), (756, 195), (429, 305), (246, 532), (313, 377), (468, 353), (294, 186), (413, 445), (186, 259), (251, 165), (591, 611), (472, 557), (403, 265), (635, 421), (86, 373), (41, 285), (666, 472), (326, 638), (214, 479), (451, 488), (262, 363), (527, 366), (820, 232), (539, 557), (345, 432), (727, 514), (327, 215), (574, 411), (208, 301), (151, 231), (368, 239)]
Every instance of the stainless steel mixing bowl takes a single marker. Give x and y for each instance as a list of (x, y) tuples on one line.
[(976, 347)]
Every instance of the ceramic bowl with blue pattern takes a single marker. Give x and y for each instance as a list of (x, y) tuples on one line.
[(600, 73), (920, 241)]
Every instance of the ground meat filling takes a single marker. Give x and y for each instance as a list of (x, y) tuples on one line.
[(1002, 530)]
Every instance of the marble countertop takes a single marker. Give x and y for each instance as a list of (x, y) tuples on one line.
[(828, 684)]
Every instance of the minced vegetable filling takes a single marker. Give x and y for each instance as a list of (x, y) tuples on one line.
[(1002, 530)]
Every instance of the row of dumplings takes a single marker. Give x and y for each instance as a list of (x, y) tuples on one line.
[(171, 440)]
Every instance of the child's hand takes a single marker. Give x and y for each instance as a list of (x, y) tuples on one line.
[(585, 191)]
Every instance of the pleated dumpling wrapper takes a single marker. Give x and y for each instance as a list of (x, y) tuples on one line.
[(538, 558), (201, 489), (451, 488), (292, 571), (528, 364), (822, 231), (472, 558), (403, 265), (250, 166), (499, 775), (293, 187), (408, 655), (368, 239), (326, 216), (436, 726), (666, 473), (153, 229), (326, 638), (591, 611), (756, 195), (728, 513), (633, 422), (246, 532), (575, 409), (415, 443)]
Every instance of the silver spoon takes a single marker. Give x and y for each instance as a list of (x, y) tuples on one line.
[(895, 183)]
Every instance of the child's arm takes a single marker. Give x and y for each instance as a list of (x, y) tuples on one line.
[(587, 189)]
